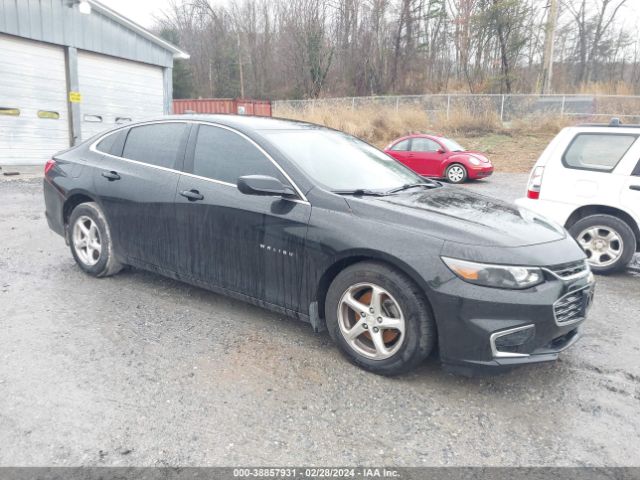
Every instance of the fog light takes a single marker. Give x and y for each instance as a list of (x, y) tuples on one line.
[(512, 342)]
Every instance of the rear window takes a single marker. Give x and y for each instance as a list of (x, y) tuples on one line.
[(597, 151), (157, 144)]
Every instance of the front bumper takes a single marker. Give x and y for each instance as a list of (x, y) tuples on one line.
[(480, 172), (484, 329)]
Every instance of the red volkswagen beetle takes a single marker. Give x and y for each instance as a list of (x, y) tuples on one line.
[(440, 157)]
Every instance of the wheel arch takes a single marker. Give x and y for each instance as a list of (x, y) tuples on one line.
[(588, 210), (353, 257), (74, 199)]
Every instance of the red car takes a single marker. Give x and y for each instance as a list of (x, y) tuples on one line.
[(440, 157)]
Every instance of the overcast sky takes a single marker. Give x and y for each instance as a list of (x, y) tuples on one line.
[(143, 11)]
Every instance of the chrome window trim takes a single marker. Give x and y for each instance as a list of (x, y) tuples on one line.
[(93, 148), (497, 353), (576, 320)]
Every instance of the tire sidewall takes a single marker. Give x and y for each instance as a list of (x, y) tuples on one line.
[(464, 178), (621, 228), (93, 211), (416, 345)]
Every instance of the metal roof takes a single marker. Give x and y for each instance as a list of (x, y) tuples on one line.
[(103, 31)]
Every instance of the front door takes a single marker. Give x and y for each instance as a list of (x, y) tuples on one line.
[(137, 192), (252, 245), (427, 156)]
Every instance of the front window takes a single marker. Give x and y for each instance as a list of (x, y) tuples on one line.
[(452, 145), (341, 162)]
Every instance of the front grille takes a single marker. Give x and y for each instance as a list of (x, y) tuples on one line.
[(571, 269), (571, 307)]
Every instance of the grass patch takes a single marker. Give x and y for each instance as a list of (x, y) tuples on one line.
[(512, 149)]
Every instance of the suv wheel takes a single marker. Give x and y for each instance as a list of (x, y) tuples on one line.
[(90, 241), (379, 319), (456, 173), (608, 242)]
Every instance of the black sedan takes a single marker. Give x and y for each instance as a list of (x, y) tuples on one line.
[(316, 224)]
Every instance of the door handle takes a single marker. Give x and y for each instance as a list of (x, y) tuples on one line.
[(192, 195), (111, 176), (634, 187)]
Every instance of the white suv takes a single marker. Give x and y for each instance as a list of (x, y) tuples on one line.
[(588, 179)]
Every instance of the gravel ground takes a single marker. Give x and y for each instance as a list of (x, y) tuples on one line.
[(140, 370)]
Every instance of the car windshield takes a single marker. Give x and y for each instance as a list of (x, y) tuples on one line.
[(341, 162), (452, 145)]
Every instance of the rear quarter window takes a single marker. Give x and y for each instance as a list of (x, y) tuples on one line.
[(113, 143), (402, 146), (597, 151)]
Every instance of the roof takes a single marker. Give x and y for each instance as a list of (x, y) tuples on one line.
[(104, 31), (247, 121), (143, 32)]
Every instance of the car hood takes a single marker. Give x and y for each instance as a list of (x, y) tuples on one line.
[(480, 156), (457, 215)]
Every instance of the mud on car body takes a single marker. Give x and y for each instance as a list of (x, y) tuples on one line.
[(321, 226)]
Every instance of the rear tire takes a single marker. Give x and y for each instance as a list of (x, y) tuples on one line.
[(456, 173), (608, 241), (90, 241), (397, 332)]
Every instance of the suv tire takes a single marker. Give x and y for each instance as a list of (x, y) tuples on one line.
[(601, 233)]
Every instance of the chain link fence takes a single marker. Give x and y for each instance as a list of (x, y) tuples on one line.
[(506, 108)]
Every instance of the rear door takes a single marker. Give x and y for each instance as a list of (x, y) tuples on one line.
[(252, 245), (593, 169), (137, 188), (630, 197), (426, 156)]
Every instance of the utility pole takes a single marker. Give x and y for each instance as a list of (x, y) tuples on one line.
[(549, 41), (240, 64)]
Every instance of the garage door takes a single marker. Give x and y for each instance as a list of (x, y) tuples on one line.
[(33, 101), (116, 91)]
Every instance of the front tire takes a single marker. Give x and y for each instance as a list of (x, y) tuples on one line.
[(379, 319), (456, 173), (608, 241), (90, 241)]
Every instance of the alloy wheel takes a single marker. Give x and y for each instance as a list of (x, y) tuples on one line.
[(603, 245), (371, 321), (86, 240)]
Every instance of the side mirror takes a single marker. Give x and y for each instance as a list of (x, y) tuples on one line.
[(441, 150), (263, 185)]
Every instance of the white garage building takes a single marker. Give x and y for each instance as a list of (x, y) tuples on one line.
[(70, 69)]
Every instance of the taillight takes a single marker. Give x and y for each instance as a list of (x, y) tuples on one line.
[(49, 165), (535, 183)]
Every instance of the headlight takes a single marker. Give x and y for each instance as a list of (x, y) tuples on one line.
[(497, 276), (474, 161)]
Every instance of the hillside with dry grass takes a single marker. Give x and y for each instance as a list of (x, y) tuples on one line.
[(513, 148)]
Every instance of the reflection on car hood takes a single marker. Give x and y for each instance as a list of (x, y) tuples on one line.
[(457, 215)]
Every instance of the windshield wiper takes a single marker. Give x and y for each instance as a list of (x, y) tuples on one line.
[(407, 186), (360, 192)]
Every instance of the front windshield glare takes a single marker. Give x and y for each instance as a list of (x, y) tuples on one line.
[(452, 145), (341, 162)]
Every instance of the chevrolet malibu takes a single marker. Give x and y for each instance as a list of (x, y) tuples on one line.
[(316, 224)]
